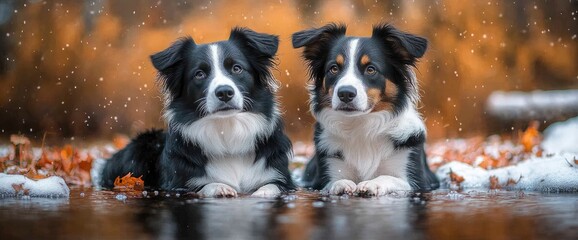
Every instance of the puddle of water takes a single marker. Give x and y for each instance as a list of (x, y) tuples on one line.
[(303, 215)]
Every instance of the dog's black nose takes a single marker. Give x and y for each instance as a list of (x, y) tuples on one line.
[(346, 93), (224, 93)]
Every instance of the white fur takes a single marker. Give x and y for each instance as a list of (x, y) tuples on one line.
[(241, 172), (365, 144), (220, 79), (217, 190), (220, 136), (267, 191), (350, 78), (341, 186), (382, 185)]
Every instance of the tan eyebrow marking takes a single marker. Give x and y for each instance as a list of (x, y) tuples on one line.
[(365, 59), (340, 59)]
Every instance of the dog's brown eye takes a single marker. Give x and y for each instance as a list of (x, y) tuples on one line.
[(237, 69), (370, 70), (200, 74), (334, 69)]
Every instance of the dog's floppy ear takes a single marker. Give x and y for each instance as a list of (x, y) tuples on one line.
[(260, 49), (317, 43), (169, 64), (405, 47)]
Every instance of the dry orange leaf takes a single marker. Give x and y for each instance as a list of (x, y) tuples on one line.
[(86, 164), (66, 158), (120, 141), (128, 182), (456, 178), (487, 162), (494, 183), (531, 137), (512, 182), (575, 161)]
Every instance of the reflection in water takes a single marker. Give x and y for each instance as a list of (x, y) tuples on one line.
[(304, 215)]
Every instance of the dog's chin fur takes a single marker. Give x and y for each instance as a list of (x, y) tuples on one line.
[(214, 151)]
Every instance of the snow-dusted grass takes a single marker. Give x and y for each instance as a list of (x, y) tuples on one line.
[(15, 185)]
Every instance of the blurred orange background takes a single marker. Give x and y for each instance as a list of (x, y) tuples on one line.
[(81, 68)]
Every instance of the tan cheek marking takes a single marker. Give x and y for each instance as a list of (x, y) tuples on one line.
[(383, 100), (365, 60), (390, 90), (340, 60)]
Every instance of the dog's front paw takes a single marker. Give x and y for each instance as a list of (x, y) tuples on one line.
[(382, 185), (342, 186), (267, 191), (218, 190)]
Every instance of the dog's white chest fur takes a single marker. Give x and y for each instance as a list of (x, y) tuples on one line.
[(229, 143), (365, 143), (241, 172), (220, 136)]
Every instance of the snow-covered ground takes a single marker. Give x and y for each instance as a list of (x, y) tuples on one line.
[(556, 170), (15, 185)]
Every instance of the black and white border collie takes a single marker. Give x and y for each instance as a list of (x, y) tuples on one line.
[(225, 134), (369, 138)]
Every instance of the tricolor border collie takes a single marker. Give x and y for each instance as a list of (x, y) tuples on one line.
[(225, 134), (369, 138)]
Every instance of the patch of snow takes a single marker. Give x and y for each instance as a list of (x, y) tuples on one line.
[(561, 137), (557, 173), (49, 187), (96, 171)]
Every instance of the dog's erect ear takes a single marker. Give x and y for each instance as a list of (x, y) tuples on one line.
[(317, 43), (260, 49), (169, 64), (404, 46)]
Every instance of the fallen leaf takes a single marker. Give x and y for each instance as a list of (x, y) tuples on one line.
[(575, 161), (128, 182), (494, 183), (66, 158), (531, 137), (455, 178), (34, 175), (512, 182), (86, 164), (44, 161), (120, 141), (486, 162)]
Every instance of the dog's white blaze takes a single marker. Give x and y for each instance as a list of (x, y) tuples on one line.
[(241, 172), (220, 79), (365, 144), (351, 79)]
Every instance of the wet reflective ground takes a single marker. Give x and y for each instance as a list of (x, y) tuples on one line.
[(92, 214)]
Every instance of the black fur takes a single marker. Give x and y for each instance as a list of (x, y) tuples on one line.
[(168, 160), (140, 157)]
